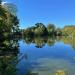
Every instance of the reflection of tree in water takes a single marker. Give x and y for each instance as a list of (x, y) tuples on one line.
[(40, 41), (50, 41), (6, 65), (69, 40), (8, 57), (28, 40), (8, 46)]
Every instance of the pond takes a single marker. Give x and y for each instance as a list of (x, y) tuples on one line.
[(38, 56)]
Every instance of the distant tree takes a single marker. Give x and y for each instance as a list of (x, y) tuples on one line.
[(40, 29), (33, 28), (51, 29), (58, 32), (28, 32), (69, 30)]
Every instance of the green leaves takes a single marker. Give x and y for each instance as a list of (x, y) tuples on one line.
[(50, 28), (8, 21), (69, 30)]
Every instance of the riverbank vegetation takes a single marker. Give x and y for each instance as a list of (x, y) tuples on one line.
[(49, 30), (41, 30), (8, 21), (9, 25)]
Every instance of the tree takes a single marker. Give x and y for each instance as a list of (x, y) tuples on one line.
[(11, 8), (51, 29), (28, 32), (69, 30), (58, 32), (3, 20), (40, 29), (15, 22), (8, 22)]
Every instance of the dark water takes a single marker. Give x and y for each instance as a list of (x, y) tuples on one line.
[(38, 56)]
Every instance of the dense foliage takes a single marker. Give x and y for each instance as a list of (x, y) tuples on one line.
[(41, 30), (8, 22), (69, 30)]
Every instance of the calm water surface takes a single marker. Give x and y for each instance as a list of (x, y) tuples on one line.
[(57, 58), (38, 56)]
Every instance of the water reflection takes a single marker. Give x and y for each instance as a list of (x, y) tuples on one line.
[(52, 57), (58, 59), (42, 41), (8, 56), (69, 40), (7, 65), (52, 67)]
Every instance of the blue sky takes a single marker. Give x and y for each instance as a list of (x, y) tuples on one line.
[(58, 12)]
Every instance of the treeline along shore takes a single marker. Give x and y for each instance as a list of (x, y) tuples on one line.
[(9, 25), (39, 29), (9, 22)]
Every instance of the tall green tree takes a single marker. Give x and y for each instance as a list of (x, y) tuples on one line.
[(51, 28), (40, 29), (8, 21)]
